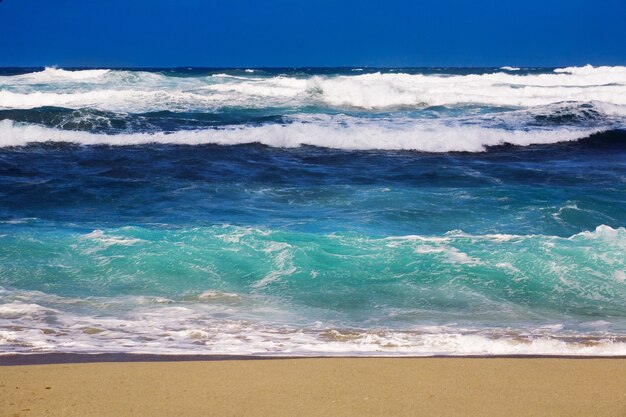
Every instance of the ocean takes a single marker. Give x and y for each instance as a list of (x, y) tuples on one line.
[(313, 211)]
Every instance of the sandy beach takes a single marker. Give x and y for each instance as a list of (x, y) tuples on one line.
[(319, 387)]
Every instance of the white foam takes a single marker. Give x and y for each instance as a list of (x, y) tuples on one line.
[(211, 294), (55, 74), (601, 231), (619, 276), (604, 232), (112, 100), (144, 91), (283, 264), (591, 70), (108, 240), (14, 310), (426, 136), (190, 329), (454, 255), (500, 89)]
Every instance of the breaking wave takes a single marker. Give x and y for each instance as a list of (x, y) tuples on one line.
[(253, 291), (425, 136), (149, 91)]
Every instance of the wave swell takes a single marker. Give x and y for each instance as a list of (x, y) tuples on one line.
[(135, 90), (418, 136)]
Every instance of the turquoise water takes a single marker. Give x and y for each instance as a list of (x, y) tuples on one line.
[(313, 212)]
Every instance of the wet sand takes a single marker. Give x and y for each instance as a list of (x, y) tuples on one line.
[(360, 387)]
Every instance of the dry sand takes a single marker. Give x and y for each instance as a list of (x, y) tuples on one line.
[(504, 387)]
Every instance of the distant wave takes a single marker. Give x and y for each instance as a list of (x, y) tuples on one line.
[(147, 91)]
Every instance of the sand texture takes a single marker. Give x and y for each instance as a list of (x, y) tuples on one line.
[(504, 387)]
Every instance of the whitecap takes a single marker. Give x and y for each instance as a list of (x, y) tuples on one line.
[(115, 90), (425, 136)]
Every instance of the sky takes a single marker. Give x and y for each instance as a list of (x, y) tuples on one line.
[(296, 33)]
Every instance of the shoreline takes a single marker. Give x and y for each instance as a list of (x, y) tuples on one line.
[(23, 359), (347, 387)]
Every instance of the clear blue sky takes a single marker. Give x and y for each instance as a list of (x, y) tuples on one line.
[(312, 33)]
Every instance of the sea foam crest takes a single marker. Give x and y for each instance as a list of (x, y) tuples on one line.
[(500, 89), (419, 136), (51, 74), (146, 91)]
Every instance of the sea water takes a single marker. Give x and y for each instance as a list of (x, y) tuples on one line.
[(348, 211)]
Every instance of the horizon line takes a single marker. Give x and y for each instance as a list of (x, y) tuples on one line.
[(300, 67)]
